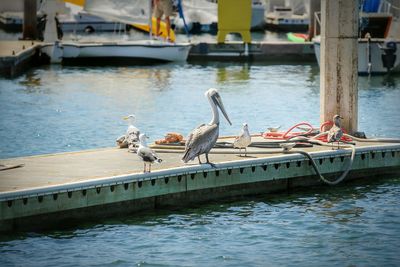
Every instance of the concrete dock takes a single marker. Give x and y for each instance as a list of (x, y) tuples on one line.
[(16, 57), (52, 190), (277, 51)]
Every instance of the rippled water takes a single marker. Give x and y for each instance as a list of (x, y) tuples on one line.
[(56, 109), (352, 225)]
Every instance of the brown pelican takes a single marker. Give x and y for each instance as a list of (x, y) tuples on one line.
[(146, 154), (335, 133), (131, 137), (243, 140), (203, 138)]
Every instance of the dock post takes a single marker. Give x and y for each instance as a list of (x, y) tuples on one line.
[(30, 20), (339, 62)]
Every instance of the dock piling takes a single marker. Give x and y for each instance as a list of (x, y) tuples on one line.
[(339, 62), (30, 21)]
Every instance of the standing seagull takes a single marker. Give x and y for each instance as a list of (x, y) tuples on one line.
[(243, 140), (131, 137), (203, 138), (147, 155), (335, 133)]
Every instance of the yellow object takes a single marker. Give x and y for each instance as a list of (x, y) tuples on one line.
[(143, 27), (163, 29), (76, 2), (234, 17)]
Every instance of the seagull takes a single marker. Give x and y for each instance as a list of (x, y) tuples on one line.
[(335, 133), (203, 138), (131, 137), (243, 140), (274, 129), (146, 154)]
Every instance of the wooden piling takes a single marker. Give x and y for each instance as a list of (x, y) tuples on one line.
[(30, 20), (339, 62)]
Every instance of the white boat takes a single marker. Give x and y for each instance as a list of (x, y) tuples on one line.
[(287, 15), (378, 45), (375, 55), (124, 11), (131, 52), (283, 19)]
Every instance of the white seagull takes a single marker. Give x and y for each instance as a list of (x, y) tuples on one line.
[(131, 137), (243, 140), (203, 138), (335, 133), (146, 154)]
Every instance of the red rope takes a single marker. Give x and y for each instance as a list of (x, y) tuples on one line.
[(289, 134)]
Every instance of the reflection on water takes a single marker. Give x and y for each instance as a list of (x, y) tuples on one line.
[(74, 108), (233, 73)]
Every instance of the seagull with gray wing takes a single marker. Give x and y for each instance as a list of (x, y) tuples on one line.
[(146, 154), (336, 132), (131, 137)]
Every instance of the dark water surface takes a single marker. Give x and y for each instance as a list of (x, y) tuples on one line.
[(347, 225), (56, 109)]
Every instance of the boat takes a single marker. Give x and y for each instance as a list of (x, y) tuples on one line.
[(287, 17), (119, 51), (378, 45), (297, 37), (124, 52), (375, 55)]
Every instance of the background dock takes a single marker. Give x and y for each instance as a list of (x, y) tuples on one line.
[(18, 56)]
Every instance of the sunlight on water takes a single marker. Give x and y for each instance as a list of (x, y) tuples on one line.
[(55, 109)]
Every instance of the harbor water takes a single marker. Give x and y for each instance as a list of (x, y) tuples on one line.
[(59, 108)]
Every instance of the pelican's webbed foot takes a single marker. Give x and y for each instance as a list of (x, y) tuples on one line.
[(208, 162)]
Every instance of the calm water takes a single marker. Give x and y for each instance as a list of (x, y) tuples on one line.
[(55, 109)]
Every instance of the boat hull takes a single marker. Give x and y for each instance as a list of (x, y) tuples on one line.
[(122, 52), (369, 56)]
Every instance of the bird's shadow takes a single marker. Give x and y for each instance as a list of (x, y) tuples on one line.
[(247, 156)]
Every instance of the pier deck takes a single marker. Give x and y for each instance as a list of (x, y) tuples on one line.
[(71, 167), (49, 190), (18, 56)]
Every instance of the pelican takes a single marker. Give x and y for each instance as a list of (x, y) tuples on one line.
[(146, 154), (203, 138), (335, 133), (131, 137), (243, 140)]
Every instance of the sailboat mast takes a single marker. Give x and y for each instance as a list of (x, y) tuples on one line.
[(150, 18)]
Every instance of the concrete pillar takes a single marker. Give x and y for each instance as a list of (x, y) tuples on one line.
[(339, 62), (30, 21), (315, 6)]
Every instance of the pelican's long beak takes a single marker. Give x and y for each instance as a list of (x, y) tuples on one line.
[(125, 118), (220, 105)]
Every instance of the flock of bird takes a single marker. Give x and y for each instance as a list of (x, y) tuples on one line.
[(201, 139)]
